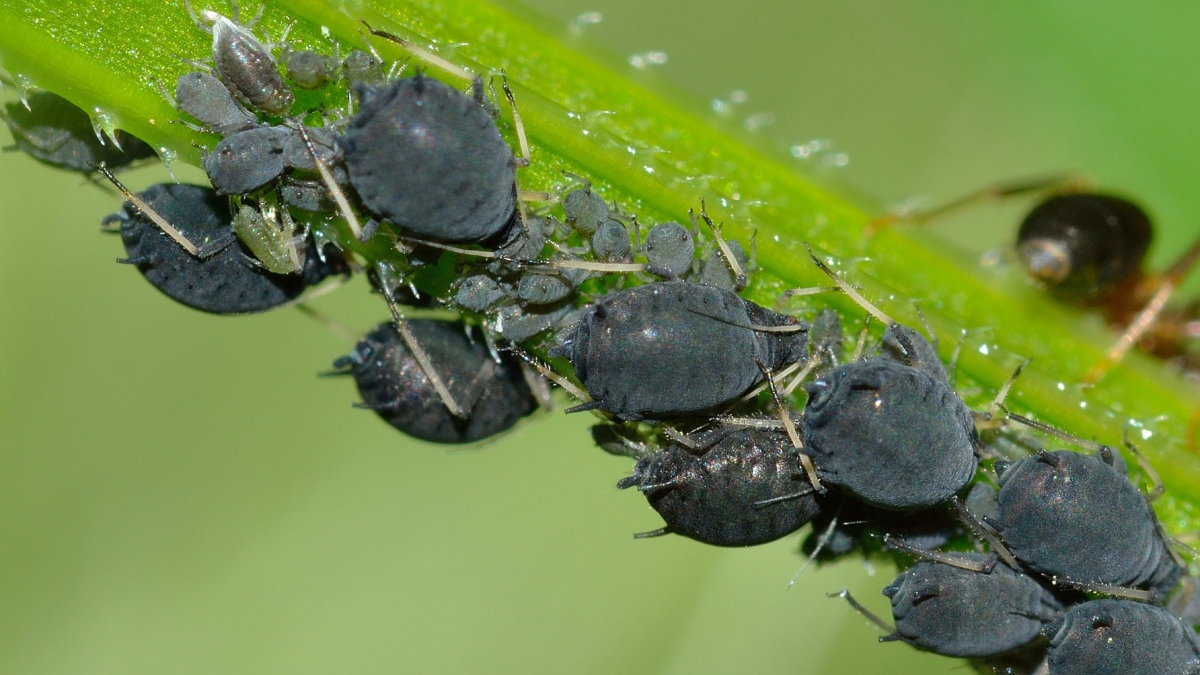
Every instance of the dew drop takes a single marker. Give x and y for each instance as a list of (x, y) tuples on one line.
[(168, 157), (983, 349), (24, 84), (579, 23)]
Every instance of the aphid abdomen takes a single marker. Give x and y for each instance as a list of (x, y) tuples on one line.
[(890, 435), (245, 66), (1120, 637), (430, 160)]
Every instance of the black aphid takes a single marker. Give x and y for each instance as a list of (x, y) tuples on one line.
[(675, 349), (391, 381), (430, 160), (718, 492), (1077, 517), (889, 430), (959, 612), (247, 160), (1120, 637), (221, 282), (59, 133), (207, 99), (244, 63)]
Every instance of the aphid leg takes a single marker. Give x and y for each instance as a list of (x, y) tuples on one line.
[(849, 290), (602, 267), (990, 193), (739, 275), (652, 533), (679, 437), (208, 250), (330, 184), (758, 389), (534, 196), (518, 126), (952, 368), (998, 402), (937, 556), (421, 357), (202, 25), (933, 338), (423, 54), (783, 298), (1149, 314), (754, 422), (1055, 432), (861, 345), (868, 614), (1107, 589), (797, 445), (540, 386), (983, 533), (781, 498), (336, 327), (1147, 469), (822, 542), (549, 374), (447, 247), (800, 377), (1180, 602), (295, 254)]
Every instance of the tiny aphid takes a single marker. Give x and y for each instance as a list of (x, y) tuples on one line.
[(208, 100), (270, 234)]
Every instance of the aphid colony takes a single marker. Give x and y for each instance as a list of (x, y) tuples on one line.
[(688, 378)]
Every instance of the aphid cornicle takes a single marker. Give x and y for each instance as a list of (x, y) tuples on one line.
[(958, 612), (225, 282), (718, 497), (55, 131), (392, 383), (430, 160), (1120, 637), (1076, 517), (244, 63), (674, 348)]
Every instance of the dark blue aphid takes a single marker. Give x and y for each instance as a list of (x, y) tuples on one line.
[(959, 612), (718, 497), (1120, 637), (226, 282), (61, 134), (393, 384), (889, 430), (247, 160), (1076, 517), (674, 349), (430, 160)]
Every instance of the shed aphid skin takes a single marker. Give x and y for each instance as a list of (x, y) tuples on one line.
[(726, 491), (225, 282), (957, 612), (673, 349), (243, 62), (206, 249), (270, 234), (394, 384), (1119, 637), (889, 430), (53, 130)]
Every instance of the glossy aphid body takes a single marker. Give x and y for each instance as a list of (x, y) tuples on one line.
[(55, 131), (1076, 517), (1120, 637), (672, 349), (715, 493), (224, 282), (391, 381), (430, 160), (244, 63), (958, 612)]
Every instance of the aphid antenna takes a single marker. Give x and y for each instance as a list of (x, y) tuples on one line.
[(791, 496), (861, 344), (739, 275), (983, 533), (822, 542), (952, 367), (782, 300), (1136, 594), (753, 422), (960, 562), (800, 377), (790, 328), (423, 54), (518, 125), (418, 352), (790, 427), (991, 193), (584, 265), (336, 327), (453, 249), (576, 179), (208, 250), (330, 184), (867, 614), (1149, 314), (849, 290), (998, 402), (549, 374), (1144, 464)]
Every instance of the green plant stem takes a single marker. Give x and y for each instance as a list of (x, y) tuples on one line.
[(657, 160)]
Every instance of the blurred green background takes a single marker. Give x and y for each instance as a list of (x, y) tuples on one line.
[(179, 493)]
